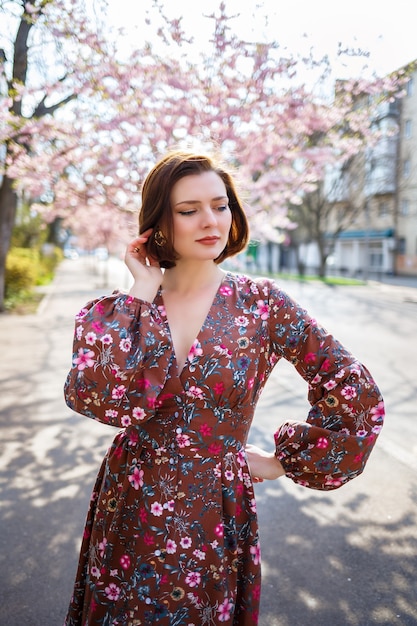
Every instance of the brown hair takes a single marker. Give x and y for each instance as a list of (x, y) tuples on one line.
[(156, 209)]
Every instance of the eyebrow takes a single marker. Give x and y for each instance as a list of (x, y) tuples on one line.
[(199, 201)]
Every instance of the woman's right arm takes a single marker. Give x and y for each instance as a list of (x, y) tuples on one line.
[(121, 351)]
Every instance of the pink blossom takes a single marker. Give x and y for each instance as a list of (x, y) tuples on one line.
[(378, 411), (310, 357), (262, 310), (102, 546), (224, 610), (125, 561), (118, 392), (322, 442), (112, 591), (225, 290), (331, 384), (157, 509), (138, 413), (348, 392), (185, 542), (126, 421), (107, 340), (195, 392), (84, 359), (256, 553), (183, 440), (193, 579), (195, 350), (136, 478), (90, 338), (125, 345), (219, 530), (171, 546)]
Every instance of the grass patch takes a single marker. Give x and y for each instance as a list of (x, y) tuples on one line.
[(329, 280), (25, 303)]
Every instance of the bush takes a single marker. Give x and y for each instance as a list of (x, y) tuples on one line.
[(21, 271)]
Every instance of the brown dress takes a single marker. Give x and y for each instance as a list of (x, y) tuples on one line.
[(171, 536)]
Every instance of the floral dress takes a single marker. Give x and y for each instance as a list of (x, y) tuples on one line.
[(171, 536)]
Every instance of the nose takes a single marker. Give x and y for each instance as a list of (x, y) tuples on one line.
[(209, 218)]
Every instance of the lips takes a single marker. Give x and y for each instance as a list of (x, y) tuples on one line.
[(208, 240)]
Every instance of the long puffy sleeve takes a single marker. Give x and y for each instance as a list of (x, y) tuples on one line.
[(332, 446), (121, 357)]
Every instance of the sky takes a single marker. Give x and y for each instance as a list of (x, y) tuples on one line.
[(384, 28)]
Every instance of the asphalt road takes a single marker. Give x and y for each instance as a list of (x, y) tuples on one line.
[(343, 558)]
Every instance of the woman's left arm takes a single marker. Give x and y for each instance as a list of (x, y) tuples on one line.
[(334, 443)]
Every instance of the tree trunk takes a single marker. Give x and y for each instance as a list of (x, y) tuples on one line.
[(8, 205)]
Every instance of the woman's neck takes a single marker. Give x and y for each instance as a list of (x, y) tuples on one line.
[(191, 277)]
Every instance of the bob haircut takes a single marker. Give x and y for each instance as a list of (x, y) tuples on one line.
[(156, 210)]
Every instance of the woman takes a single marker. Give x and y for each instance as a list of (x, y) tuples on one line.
[(179, 363)]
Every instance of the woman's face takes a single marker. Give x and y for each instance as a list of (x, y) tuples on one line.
[(201, 216)]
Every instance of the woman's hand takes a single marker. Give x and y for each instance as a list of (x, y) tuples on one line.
[(263, 465), (147, 274)]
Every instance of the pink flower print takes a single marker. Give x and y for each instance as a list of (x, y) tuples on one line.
[(325, 365), (225, 290), (157, 509), (185, 542), (138, 413), (333, 482), (171, 546), (170, 505), (316, 380), (97, 327), (256, 553), (126, 421), (331, 384), (81, 314), (310, 357), (348, 392), (84, 359), (199, 554), (253, 505), (90, 338), (242, 320), (182, 440), (229, 475), (322, 443), (118, 392), (376, 429), (215, 449), (195, 392), (195, 350), (125, 345), (218, 530), (79, 332), (102, 546), (193, 579), (111, 413), (100, 308), (219, 388), (112, 592), (107, 340), (378, 412), (206, 430), (125, 561), (95, 572), (136, 478), (340, 374), (263, 310), (224, 610)]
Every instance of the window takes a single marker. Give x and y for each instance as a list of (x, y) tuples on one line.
[(406, 168), (401, 245), (407, 129), (405, 207), (383, 209), (410, 87)]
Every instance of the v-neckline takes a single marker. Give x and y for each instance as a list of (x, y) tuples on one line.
[(160, 298)]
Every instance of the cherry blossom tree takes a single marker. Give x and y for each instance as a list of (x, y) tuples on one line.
[(245, 100)]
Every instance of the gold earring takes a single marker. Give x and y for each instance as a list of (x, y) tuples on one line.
[(160, 238)]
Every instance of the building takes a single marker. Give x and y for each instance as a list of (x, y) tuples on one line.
[(380, 190)]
